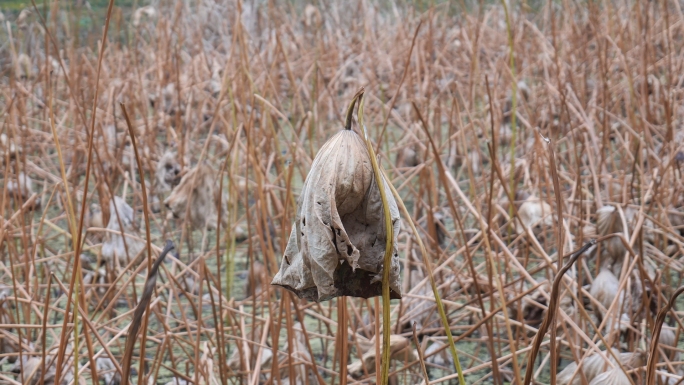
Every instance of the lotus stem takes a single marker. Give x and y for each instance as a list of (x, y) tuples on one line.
[(387, 263)]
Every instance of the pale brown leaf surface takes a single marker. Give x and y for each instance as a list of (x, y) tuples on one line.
[(337, 242)]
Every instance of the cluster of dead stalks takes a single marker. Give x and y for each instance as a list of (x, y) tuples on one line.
[(514, 133)]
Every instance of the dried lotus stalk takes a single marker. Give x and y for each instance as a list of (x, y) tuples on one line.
[(337, 244)]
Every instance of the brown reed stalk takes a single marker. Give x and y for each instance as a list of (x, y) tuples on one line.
[(140, 311)]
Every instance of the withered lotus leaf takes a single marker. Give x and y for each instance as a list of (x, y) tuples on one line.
[(337, 244), (613, 376), (596, 370)]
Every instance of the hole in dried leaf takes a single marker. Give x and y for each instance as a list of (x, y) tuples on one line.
[(334, 239)]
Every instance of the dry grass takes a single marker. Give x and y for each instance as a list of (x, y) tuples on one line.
[(513, 133)]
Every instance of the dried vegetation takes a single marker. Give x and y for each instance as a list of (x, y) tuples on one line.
[(514, 133)]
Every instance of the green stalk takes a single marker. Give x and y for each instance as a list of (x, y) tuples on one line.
[(230, 261), (70, 205), (230, 234), (388, 252), (514, 101), (435, 292), (74, 240), (76, 291)]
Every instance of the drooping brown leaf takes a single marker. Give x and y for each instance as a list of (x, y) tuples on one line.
[(115, 247), (609, 221), (7, 146), (337, 243), (29, 371), (533, 310), (613, 376), (595, 364), (107, 371), (167, 173), (534, 212), (21, 188), (93, 217), (199, 189), (605, 288)]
